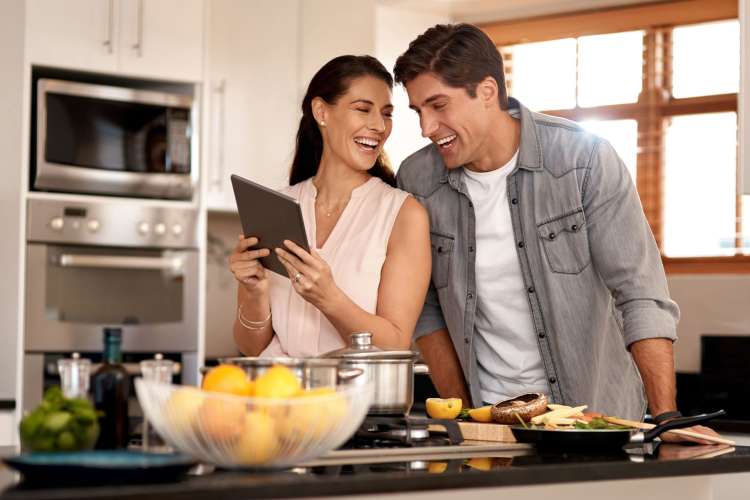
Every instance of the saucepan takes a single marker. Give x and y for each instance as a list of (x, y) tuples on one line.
[(602, 438), (312, 372), (390, 371)]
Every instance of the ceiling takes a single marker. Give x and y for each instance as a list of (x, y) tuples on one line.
[(480, 11)]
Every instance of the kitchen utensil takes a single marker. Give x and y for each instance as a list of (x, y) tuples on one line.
[(479, 431), (602, 438), (99, 466), (312, 372), (390, 371), (157, 370), (234, 431), (679, 432)]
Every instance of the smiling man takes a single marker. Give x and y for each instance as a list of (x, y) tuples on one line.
[(546, 276)]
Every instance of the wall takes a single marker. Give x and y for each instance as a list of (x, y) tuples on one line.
[(709, 304)]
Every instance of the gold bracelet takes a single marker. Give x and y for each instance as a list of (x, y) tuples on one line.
[(252, 325)]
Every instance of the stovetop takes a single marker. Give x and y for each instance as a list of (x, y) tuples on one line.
[(404, 432)]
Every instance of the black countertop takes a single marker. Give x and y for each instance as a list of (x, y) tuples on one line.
[(531, 467)]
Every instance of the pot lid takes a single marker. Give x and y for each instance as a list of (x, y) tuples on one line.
[(361, 347)]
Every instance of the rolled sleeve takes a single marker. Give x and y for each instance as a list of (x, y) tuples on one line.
[(624, 250), (431, 319)]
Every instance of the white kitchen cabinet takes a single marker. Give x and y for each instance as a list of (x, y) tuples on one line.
[(144, 38), (251, 94)]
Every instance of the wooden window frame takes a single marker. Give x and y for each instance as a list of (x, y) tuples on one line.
[(655, 103)]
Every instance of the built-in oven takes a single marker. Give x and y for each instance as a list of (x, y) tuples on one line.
[(91, 264), (112, 140)]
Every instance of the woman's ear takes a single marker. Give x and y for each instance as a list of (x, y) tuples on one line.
[(319, 110), (487, 91)]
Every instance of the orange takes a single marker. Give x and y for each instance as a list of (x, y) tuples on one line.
[(228, 379), (221, 419), (278, 382)]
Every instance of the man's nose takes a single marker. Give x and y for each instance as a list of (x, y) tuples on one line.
[(429, 126)]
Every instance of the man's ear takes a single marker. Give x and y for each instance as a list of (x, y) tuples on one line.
[(319, 110), (487, 91)]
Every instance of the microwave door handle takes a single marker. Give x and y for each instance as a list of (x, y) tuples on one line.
[(108, 26), (174, 264)]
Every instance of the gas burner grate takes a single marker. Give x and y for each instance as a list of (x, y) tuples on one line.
[(389, 432)]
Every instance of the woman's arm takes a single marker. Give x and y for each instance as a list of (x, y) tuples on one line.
[(251, 338), (403, 283)]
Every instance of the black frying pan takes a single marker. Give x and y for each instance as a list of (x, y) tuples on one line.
[(603, 438)]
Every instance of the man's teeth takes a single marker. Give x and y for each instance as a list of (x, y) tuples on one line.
[(371, 143), (445, 140)]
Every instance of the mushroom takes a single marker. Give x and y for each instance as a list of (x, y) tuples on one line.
[(525, 406)]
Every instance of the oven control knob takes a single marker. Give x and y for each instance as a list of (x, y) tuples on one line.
[(144, 228), (93, 225), (177, 229), (160, 228), (57, 223)]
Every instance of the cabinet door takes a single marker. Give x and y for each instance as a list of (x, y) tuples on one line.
[(251, 94), (79, 34), (162, 39)]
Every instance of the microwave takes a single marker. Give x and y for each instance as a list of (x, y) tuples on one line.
[(110, 140)]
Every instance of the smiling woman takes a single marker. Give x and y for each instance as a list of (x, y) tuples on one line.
[(369, 266)]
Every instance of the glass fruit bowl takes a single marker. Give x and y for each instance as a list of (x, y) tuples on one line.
[(236, 431)]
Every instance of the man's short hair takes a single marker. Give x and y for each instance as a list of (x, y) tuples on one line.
[(461, 55)]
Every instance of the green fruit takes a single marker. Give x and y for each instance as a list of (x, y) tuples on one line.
[(57, 421), (66, 441), (30, 425)]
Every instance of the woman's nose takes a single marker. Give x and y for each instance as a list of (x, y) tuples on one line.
[(376, 123)]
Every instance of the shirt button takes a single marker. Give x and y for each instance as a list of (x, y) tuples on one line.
[(574, 227), (552, 236), (531, 289), (440, 249), (471, 249), (471, 204), (466, 340), (541, 335), (514, 201), (471, 295), (521, 244), (552, 380)]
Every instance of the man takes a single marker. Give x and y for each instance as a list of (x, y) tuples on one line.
[(546, 276)]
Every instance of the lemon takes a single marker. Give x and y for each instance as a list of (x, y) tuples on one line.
[(220, 419), (229, 379), (278, 382), (443, 408), (483, 414), (313, 415), (259, 442), (480, 463), (182, 407), (437, 467)]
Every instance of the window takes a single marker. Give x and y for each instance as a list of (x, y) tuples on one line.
[(660, 83)]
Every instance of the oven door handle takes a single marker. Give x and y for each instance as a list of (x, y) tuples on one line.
[(174, 264)]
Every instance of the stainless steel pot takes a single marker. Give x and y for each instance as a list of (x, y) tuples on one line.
[(312, 372), (391, 373)]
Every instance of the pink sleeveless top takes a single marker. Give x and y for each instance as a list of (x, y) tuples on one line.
[(355, 251)]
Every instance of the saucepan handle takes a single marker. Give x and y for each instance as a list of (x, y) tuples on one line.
[(679, 423), (421, 369), (348, 374)]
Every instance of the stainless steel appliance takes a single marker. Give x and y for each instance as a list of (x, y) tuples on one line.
[(92, 263), (115, 140)]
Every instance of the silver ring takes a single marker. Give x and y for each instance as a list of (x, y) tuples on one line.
[(297, 277)]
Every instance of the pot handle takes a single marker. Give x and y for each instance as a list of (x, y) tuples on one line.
[(421, 369), (679, 423), (348, 374)]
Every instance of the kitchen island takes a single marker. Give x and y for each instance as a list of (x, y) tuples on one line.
[(669, 471)]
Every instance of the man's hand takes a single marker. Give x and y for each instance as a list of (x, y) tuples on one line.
[(671, 437)]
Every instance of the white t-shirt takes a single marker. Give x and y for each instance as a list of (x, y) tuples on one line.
[(505, 341)]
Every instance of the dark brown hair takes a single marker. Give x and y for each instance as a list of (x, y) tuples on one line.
[(330, 83), (461, 55)]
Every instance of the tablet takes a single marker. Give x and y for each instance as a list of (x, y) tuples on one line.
[(270, 216)]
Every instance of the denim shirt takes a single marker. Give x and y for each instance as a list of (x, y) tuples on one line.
[(591, 268)]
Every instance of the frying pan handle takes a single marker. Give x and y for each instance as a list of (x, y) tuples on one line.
[(679, 423)]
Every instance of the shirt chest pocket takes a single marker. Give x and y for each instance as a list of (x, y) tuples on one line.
[(566, 243), (442, 251)]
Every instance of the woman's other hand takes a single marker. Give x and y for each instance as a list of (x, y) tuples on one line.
[(311, 275), (246, 266)]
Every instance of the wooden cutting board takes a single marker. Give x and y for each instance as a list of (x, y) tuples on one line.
[(477, 431)]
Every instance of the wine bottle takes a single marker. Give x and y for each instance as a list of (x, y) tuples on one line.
[(110, 387)]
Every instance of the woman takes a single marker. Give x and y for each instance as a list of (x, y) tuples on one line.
[(369, 264)]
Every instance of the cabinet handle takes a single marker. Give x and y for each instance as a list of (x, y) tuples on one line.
[(138, 45), (108, 26), (220, 90)]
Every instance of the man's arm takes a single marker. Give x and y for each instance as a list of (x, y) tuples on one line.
[(655, 360), (445, 369)]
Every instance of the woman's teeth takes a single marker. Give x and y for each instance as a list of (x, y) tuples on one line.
[(446, 141), (367, 143)]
